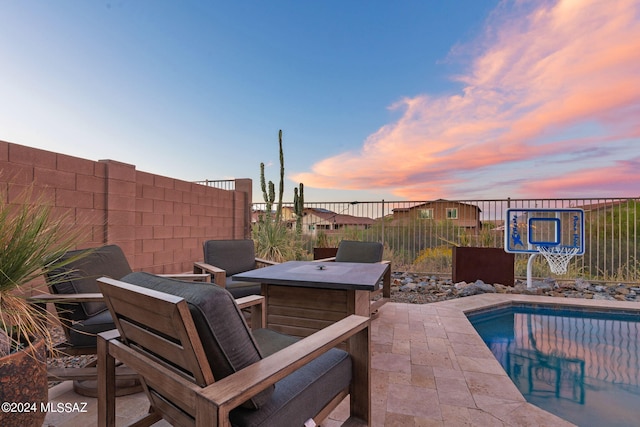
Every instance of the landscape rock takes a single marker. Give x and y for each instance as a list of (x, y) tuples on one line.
[(582, 284), (485, 288), (419, 288), (621, 290)]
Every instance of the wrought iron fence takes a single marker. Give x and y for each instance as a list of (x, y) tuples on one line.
[(223, 184), (418, 235)]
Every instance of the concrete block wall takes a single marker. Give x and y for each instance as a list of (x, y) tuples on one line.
[(159, 222)]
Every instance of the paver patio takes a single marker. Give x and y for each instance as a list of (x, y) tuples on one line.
[(429, 368)]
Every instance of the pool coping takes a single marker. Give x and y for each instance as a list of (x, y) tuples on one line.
[(459, 308)]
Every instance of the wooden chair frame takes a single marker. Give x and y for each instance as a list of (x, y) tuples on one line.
[(209, 402), (89, 372), (219, 275)]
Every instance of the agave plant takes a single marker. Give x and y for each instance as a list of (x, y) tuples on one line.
[(32, 242)]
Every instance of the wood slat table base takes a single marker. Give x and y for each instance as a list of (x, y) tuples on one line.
[(301, 311)]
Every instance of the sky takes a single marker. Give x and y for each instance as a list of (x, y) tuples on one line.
[(397, 100)]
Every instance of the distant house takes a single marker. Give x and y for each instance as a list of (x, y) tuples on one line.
[(287, 214), (319, 219), (461, 214)]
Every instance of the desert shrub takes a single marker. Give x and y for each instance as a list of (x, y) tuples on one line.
[(437, 259)]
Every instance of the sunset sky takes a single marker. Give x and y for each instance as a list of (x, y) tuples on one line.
[(401, 100)]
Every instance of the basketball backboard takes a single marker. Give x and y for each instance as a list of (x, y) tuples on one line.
[(526, 229)]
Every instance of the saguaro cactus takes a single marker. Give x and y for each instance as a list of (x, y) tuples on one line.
[(273, 238), (298, 206), (269, 194), (281, 187)]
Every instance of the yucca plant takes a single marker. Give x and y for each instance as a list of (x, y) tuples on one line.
[(275, 242), (32, 242)]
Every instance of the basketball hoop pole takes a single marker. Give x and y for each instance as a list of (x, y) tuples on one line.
[(557, 257), (530, 271)]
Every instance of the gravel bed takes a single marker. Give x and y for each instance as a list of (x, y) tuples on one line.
[(67, 361)]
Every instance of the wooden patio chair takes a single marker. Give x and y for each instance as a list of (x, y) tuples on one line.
[(200, 364), (367, 252), (83, 314), (224, 258)]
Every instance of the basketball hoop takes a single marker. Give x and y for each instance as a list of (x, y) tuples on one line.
[(558, 257), (556, 233)]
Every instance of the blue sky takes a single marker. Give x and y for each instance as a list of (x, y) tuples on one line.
[(404, 100)]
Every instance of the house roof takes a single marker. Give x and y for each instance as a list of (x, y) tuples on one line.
[(337, 218), (426, 204)]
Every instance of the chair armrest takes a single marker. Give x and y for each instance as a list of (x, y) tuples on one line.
[(330, 259), (189, 277), (258, 309), (231, 391), (265, 261), (249, 301), (65, 298), (218, 275), (110, 334)]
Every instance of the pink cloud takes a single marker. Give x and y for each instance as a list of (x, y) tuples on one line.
[(620, 180), (545, 69)]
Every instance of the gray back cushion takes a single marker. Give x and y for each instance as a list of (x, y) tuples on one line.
[(79, 277), (353, 251), (226, 339), (233, 256)]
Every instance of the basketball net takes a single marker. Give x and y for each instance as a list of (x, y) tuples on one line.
[(558, 257)]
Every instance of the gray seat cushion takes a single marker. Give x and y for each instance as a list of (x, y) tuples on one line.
[(271, 341), (225, 336), (242, 289), (301, 395), (233, 256), (79, 276), (354, 251), (83, 333)]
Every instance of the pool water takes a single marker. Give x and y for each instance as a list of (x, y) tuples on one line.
[(581, 365)]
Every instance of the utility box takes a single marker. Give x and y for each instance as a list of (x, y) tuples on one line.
[(491, 265)]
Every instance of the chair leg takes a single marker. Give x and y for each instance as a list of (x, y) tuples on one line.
[(106, 385), (360, 393), (258, 316), (386, 283)]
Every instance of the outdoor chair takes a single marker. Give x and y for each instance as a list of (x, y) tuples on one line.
[(201, 365), (224, 258), (367, 252), (83, 314)]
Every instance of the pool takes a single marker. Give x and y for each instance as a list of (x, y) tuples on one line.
[(582, 364)]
